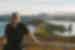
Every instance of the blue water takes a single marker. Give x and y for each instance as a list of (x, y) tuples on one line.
[(2, 28)]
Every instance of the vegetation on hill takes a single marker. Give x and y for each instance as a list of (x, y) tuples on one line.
[(46, 31)]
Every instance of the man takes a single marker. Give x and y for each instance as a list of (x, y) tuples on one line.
[(14, 33)]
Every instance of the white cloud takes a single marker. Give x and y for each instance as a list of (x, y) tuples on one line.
[(35, 6), (13, 5), (69, 9), (39, 6), (49, 6)]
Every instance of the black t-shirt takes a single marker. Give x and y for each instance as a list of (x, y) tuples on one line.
[(14, 35)]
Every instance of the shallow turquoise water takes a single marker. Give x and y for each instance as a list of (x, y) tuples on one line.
[(2, 28)]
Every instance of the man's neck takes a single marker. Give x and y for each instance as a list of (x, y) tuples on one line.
[(15, 24)]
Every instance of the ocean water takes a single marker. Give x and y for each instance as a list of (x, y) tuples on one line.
[(2, 28)]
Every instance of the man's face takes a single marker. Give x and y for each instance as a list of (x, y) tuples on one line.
[(15, 19)]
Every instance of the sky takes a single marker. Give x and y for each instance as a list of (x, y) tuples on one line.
[(37, 6), (8, 6), (54, 6)]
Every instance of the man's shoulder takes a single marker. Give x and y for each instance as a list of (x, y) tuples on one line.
[(8, 26), (22, 24)]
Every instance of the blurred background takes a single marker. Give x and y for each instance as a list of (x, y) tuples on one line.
[(51, 22)]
